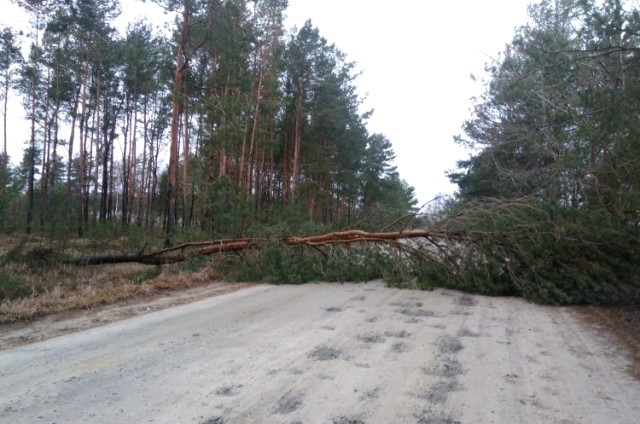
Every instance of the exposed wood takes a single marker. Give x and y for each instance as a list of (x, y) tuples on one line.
[(156, 258), (354, 236), (163, 256)]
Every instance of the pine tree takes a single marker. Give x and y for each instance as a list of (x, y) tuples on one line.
[(10, 59)]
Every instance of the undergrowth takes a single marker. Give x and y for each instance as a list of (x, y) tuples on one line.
[(278, 264)]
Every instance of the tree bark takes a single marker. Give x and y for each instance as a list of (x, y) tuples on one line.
[(74, 115), (185, 153), (175, 119), (5, 164), (32, 141), (297, 141), (157, 259), (82, 180), (166, 256), (143, 173)]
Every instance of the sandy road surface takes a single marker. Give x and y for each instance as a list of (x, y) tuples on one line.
[(322, 353)]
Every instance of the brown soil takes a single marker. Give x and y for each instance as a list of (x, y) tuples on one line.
[(623, 324)]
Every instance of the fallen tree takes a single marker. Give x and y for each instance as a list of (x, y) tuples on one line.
[(524, 247), (167, 256), (203, 248)]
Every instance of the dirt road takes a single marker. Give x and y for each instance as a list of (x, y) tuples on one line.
[(326, 353)]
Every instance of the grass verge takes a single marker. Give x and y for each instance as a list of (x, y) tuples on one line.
[(33, 285)]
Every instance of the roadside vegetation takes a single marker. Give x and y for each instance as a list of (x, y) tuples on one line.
[(34, 284)]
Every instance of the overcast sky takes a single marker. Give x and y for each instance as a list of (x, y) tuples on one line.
[(416, 58)]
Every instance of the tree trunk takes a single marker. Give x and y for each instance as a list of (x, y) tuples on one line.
[(46, 154), (217, 246), (32, 140), (96, 143), (185, 153), (125, 168), (54, 153), (154, 184), (5, 164), (175, 118), (143, 173), (74, 114), (111, 208), (254, 132), (297, 141), (133, 164), (55, 124), (286, 165), (104, 194)]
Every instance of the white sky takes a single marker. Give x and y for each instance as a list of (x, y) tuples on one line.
[(416, 58)]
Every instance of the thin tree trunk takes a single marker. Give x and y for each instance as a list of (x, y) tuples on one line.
[(32, 141), (133, 165), (211, 175), (112, 137), (96, 142), (54, 154), (143, 173), (55, 122), (154, 182), (286, 165), (46, 155), (254, 132), (175, 118), (5, 164), (125, 158), (83, 153), (297, 140), (241, 160), (72, 135), (224, 131), (111, 208), (106, 151), (185, 152)]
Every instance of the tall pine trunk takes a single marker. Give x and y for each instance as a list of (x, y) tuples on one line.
[(106, 152), (82, 180), (175, 120), (185, 168), (96, 143), (5, 164), (32, 140), (72, 135), (143, 172)]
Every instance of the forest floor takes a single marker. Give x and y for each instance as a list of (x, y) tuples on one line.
[(322, 353)]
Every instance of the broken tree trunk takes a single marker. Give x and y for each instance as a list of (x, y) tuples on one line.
[(356, 236), (186, 250), (159, 257)]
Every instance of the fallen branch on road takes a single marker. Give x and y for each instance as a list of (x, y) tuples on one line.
[(167, 255)]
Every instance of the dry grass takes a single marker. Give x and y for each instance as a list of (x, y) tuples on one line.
[(31, 289), (72, 289)]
